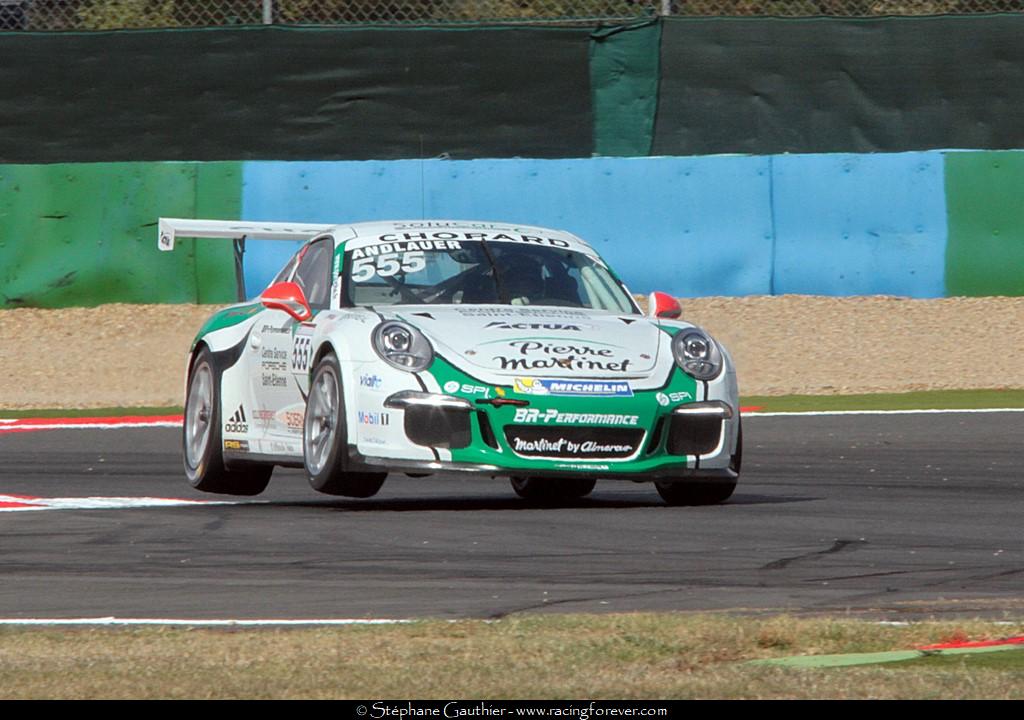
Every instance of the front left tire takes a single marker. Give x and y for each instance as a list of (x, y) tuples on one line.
[(552, 490), (325, 437), (202, 444)]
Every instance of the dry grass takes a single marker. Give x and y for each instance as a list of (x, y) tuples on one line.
[(571, 656)]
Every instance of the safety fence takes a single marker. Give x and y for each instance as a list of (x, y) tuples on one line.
[(666, 87), (126, 14)]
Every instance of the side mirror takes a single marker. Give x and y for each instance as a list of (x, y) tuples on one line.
[(663, 305), (289, 297)]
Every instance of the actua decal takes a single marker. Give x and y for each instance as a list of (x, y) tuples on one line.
[(531, 326)]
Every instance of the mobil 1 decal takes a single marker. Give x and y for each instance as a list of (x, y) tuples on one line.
[(544, 354), (388, 259)]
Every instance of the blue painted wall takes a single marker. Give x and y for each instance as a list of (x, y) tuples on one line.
[(860, 224), (693, 226)]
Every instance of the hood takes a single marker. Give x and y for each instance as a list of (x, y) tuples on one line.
[(540, 341)]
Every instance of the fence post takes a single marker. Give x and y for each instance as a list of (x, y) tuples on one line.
[(268, 12)]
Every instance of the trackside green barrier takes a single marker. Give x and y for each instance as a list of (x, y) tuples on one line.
[(624, 86), (985, 249), (85, 234)]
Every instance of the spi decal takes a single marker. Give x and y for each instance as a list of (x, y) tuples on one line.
[(665, 399), (453, 386)]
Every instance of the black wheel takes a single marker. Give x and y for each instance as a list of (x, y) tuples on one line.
[(552, 490), (325, 438), (201, 439), (697, 492)]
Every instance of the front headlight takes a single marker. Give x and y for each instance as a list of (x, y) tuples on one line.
[(697, 354), (402, 346)]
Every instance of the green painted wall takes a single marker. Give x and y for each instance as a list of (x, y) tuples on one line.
[(624, 85), (985, 205), (85, 234), (767, 86), (295, 93)]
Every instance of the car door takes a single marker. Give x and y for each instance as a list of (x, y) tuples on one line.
[(277, 342)]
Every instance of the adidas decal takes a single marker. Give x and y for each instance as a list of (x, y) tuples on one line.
[(237, 423)]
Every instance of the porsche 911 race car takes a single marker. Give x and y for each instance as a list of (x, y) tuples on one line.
[(431, 346)]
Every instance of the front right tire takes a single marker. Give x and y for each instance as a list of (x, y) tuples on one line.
[(325, 437), (202, 443), (698, 492)]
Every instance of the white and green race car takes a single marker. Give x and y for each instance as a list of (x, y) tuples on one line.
[(430, 346)]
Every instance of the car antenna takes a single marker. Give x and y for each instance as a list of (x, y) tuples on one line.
[(239, 247), (423, 188)]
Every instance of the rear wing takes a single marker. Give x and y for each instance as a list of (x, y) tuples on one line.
[(237, 231), (173, 228)]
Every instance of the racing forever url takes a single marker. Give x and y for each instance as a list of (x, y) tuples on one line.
[(583, 710)]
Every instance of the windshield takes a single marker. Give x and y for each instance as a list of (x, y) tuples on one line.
[(477, 273)]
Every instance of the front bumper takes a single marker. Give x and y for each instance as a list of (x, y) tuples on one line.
[(363, 463), (645, 439)]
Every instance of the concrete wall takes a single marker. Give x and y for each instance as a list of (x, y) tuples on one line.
[(693, 226), (924, 224)]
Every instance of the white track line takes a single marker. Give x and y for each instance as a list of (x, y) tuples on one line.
[(812, 413), (197, 623), (91, 426), (31, 504)]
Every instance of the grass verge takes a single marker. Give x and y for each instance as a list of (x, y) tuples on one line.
[(925, 400), (1011, 661), (538, 656)]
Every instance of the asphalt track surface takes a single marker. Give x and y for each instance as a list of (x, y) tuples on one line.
[(886, 516)]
